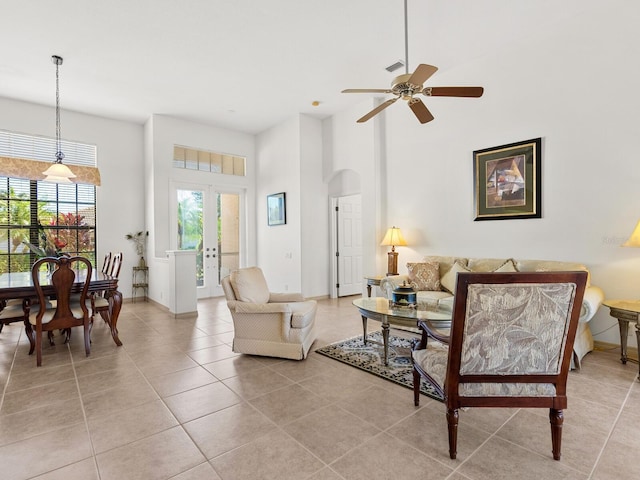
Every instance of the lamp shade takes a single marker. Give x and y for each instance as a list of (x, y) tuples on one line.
[(54, 179), (394, 238), (634, 239), (59, 170)]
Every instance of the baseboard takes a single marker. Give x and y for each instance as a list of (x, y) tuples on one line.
[(607, 347), (321, 297)]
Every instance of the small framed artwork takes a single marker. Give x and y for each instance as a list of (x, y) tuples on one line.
[(507, 181), (277, 209)]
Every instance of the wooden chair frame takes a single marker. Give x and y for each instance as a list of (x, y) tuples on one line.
[(450, 391), (62, 279)]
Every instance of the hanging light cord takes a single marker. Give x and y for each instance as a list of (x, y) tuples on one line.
[(59, 155)]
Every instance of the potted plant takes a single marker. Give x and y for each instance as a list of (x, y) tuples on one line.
[(140, 240)]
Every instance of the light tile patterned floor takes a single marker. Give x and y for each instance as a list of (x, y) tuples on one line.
[(175, 402)]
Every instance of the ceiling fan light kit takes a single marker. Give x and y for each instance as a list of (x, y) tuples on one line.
[(407, 85)]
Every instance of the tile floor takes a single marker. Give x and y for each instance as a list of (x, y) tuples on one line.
[(175, 402)]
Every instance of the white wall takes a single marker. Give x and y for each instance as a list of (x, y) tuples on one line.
[(120, 160), (572, 82), (278, 169), (314, 209), (359, 150)]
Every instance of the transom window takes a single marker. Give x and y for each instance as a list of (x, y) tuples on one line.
[(206, 161)]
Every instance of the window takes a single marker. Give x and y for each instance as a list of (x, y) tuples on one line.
[(192, 159), (40, 217)]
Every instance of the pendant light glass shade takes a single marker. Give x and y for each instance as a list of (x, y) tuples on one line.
[(58, 172)]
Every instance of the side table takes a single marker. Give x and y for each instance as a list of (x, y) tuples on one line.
[(140, 282), (626, 311), (373, 282)]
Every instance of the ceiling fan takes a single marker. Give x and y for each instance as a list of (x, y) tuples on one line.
[(408, 85)]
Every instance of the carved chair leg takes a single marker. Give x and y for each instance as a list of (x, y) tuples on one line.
[(38, 345), (416, 388), (452, 423), (556, 417), (87, 338), (28, 331)]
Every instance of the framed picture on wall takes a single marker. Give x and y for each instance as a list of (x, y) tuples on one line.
[(507, 181), (277, 209)]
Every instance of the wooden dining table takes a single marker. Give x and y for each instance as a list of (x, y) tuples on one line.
[(19, 285)]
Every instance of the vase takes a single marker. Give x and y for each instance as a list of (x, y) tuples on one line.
[(142, 263)]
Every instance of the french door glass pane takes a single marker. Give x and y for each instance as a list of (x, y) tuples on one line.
[(228, 206), (190, 227)]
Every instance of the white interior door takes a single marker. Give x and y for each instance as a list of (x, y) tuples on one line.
[(349, 245), (208, 220)]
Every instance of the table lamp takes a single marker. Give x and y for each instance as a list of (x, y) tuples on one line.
[(634, 239), (394, 238)]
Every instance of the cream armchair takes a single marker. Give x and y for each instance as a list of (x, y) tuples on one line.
[(265, 323)]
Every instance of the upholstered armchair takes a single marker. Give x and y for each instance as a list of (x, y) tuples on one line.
[(510, 345), (265, 323)]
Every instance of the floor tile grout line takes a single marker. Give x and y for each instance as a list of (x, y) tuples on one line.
[(613, 427), (13, 362), (84, 413)]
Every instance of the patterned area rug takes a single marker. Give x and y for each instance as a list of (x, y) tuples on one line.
[(370, 359)]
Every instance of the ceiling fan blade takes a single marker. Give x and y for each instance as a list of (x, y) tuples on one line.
[(366, 90), (420, 110), (453, 91), (421, 74), (377, 110)]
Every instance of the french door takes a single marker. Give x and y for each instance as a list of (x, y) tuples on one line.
[(208, 220)]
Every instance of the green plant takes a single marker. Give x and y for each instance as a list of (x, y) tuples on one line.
[(140, 240)]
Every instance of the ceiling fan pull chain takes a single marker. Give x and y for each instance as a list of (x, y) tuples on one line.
[(406, 39)]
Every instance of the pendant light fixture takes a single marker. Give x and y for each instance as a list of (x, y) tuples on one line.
[(58, 172)]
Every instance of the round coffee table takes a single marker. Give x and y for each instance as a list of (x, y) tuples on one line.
[(380, 310)]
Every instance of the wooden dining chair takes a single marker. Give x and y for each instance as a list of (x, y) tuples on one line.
[(510, 345), (11, 311), (63, 314), (99, 303), (106, 265)]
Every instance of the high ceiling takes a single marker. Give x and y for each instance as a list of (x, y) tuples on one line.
[(240, 64)]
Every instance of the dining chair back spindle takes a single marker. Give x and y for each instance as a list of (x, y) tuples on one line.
[(116, 263), (106, 266)]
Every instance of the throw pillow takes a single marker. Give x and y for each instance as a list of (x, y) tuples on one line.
[(249, 285), (448, 280), (507, 266), (424, 276)]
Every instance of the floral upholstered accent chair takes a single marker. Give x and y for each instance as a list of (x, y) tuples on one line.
[(510, 345)]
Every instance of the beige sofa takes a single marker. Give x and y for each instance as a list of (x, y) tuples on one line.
[(448, 267)]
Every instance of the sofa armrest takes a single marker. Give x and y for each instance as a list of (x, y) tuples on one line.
[(285, 297), (593, 298), (246, 307), (388, 284)]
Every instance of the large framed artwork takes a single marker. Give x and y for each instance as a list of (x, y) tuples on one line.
[(507, 181), (277, 209)]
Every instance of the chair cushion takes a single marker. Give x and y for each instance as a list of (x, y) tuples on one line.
[(433, 360), (424, 276), (76, 311), (507, 267), (12, 311), (249, 285)]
